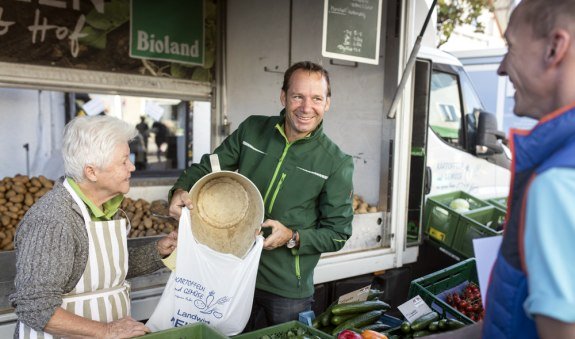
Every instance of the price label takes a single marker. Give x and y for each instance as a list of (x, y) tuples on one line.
[(414, 308), (357, 295)]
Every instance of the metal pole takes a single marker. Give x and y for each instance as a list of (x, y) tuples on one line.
[(409, 65)]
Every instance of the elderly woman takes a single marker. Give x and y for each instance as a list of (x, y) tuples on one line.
[(72, 258)]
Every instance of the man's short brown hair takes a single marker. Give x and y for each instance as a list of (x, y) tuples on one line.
[(306, 66)]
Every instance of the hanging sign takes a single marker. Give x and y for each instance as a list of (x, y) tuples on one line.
[(170, 30), (351, 30)]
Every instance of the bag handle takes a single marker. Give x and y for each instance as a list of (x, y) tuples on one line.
[(215, 163)]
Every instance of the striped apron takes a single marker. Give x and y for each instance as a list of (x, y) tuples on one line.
[(102, 293)]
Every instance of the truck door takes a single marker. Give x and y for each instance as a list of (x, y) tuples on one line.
[(454, 108), (443, 152)]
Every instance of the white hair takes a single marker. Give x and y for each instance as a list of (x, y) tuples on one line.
[(90, 140)]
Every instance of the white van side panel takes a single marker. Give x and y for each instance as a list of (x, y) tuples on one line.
[(455, 170)]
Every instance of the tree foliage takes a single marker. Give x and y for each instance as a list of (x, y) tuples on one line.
[(453, 13)]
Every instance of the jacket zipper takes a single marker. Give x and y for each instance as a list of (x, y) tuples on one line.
[(278, 187), (280, 163), (297, 269)]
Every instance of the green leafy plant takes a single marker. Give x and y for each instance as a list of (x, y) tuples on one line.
[(454, 13)]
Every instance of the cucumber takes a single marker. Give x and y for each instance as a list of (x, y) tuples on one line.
[(374, 294), (316, 323), (359, 321), (338, 319), (433, 326), (360, 307), (422, 322), (405, 327), (378, 327), (443, 324), (421, 333), (454, 324), (325, 317)]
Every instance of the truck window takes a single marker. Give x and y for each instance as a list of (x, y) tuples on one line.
[(445, 107)]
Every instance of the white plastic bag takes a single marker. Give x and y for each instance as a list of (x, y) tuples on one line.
[(207, 286)]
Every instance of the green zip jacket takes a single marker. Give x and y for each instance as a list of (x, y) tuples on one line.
[(306, 185)]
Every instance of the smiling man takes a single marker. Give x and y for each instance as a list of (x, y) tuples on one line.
[(532, 288), (306, 184)]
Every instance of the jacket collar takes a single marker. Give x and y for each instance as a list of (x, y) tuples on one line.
[(532, 148), (312, 136)]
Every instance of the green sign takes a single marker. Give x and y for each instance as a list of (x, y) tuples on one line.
[(351, 30), (170, 30)]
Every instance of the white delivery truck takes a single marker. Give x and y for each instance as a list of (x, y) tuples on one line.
[(440, 139)]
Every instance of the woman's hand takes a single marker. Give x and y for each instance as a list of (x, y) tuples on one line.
[(167, 244), (126, 327)]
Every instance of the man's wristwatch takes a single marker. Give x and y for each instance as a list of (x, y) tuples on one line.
[(293, 241)]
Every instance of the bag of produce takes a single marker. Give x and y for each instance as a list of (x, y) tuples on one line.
[(207, 286)]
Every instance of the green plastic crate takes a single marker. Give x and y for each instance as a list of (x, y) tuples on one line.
[(486, 222), (193, 331), (434, 284), (441, 221), (499, 202), (280, 331)]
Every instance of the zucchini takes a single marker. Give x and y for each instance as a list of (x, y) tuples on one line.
[(360, 307), (359, 321), (338, 319), (454, 324), (422, 322)]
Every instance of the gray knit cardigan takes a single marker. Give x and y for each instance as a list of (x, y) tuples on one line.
[(51, 246)]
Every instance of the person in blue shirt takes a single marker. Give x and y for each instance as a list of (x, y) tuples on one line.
[(532, 288)]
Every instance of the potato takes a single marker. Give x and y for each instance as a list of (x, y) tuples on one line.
[(47, 183), (21, 189), (35, 182), (6, 241), (148, 223), (28, 200)]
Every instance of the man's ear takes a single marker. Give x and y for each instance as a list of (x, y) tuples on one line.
[(559, 42), (283, 98)]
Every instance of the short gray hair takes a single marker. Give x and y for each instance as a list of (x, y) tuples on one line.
[(545, 15), (90, 140)]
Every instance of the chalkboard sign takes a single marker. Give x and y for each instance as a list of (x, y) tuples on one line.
[(351, 30)]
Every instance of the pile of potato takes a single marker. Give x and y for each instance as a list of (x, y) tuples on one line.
[(362, 207), (17, 194), (20, 192), (144, 222)]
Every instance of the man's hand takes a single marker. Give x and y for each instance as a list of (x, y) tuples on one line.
[(167, 244), (180, 198), (126, 327), (280, 234)]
